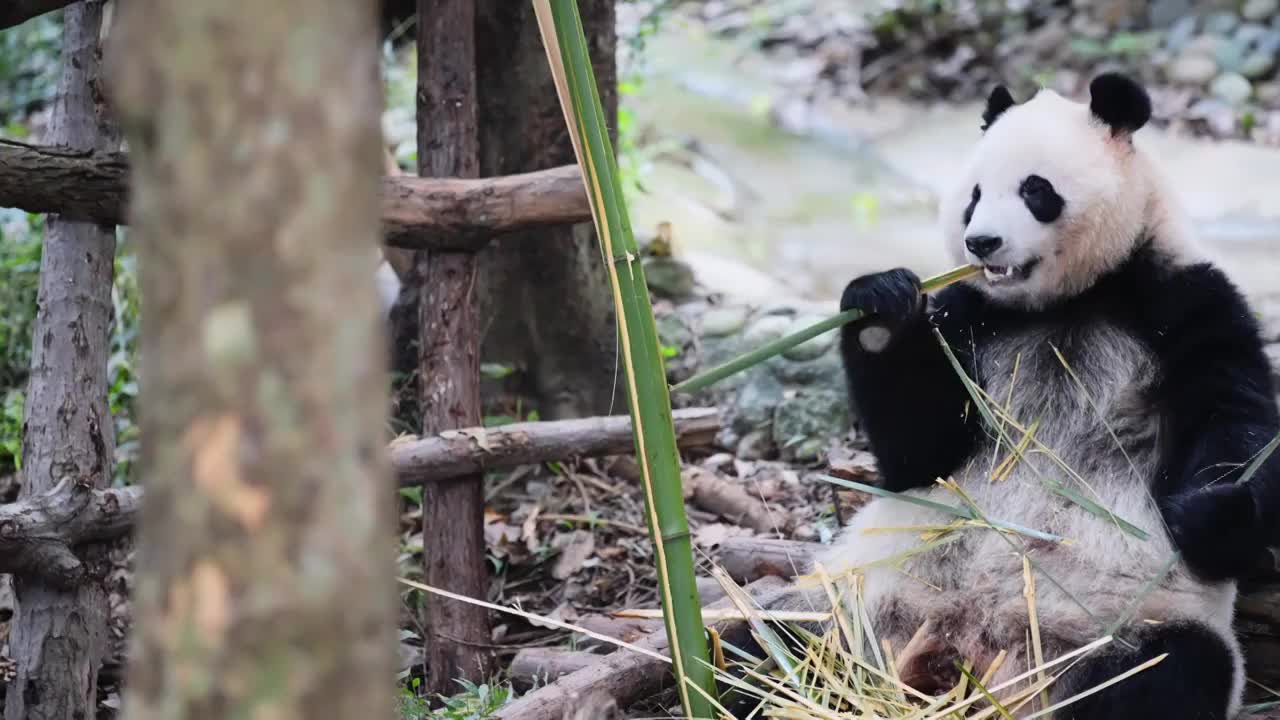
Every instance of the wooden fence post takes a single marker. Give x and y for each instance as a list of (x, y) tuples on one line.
[(449, 352)]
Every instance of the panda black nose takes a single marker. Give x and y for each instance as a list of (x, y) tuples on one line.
[(982, 245)]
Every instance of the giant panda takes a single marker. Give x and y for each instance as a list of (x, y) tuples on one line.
[(1095, 317)]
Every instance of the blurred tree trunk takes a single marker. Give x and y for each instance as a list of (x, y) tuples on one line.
[(59, 633), (449, 364), (265, 573), (547, 306)]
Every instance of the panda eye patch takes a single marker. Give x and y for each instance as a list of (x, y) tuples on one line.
[(1044, 203), (973, 203)]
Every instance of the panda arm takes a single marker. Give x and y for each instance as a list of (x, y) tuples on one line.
[(909, 400), (1219, 411)]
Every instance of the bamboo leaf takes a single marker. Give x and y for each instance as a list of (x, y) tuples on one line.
[(781, 345), (642, 364), (1267, 451), (966, 513)]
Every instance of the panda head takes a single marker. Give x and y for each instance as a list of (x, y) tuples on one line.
[(1055, 194)]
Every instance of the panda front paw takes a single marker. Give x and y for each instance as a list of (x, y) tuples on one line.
[(890, 299), (1217, 530)]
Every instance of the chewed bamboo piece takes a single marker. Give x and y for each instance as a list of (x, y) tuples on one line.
[(781, 345)]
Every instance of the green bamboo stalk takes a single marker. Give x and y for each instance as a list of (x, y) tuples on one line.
[(781, 345), (644, 373)]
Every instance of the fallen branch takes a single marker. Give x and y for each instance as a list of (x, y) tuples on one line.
[(748, 559), (625, 629), (536, 666), (432, 213), (625, 676), (731, 501), (470, 450), (38, 534)]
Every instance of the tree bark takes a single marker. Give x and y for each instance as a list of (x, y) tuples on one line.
[(547, 306), (256, 141), (59, 632), (38, 533), (424, 213), (448, 352)]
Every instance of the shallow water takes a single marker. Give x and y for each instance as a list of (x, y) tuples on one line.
[(762, 213)]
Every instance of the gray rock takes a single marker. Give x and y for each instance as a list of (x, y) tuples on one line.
[(1218, 115), (752, 408), (1221, 23), (807, 421), (1181, 33), (767, 329), (1249, 33), (755, 445), (1269, 318), (1193, 68), (1268, 42), (810, 349), (1164, 13), (669, 278), (1259, 9), (826, 370), (1258, 64), (1232, 88), (1273, 354), (724, 320), (1203, 44), (1229, 55), (1268, 93), (673, 332)]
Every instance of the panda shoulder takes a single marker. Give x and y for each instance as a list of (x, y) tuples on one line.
[(1190, 299)]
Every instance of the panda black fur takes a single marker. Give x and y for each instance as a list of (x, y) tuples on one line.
[(1089, 262)]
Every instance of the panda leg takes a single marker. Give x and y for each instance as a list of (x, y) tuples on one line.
[(1199, 680)]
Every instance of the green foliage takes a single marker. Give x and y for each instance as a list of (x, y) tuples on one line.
[(21, 244), (122, 363), (476, 702), (11, 430), (29, 66)]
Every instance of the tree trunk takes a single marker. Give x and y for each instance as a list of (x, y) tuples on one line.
[(264, 580), (547, 306), (59, 633), (449, 353)]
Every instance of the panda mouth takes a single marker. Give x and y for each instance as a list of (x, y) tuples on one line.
[(1003, 274)]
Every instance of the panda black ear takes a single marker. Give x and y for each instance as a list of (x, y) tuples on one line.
[(997, 102), (1120, 102)]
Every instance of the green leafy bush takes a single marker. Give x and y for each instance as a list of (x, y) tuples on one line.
[(475, 702), (29, 68), (21, 243)]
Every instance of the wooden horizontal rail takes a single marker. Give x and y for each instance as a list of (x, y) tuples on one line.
[(431, 213), (37, 533)]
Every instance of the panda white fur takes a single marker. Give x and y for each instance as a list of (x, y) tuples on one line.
[(1086, 255)]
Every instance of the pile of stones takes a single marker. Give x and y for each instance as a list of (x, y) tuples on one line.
[(1213, 67)]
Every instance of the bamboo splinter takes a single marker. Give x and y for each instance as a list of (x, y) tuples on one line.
[(781, 345)]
